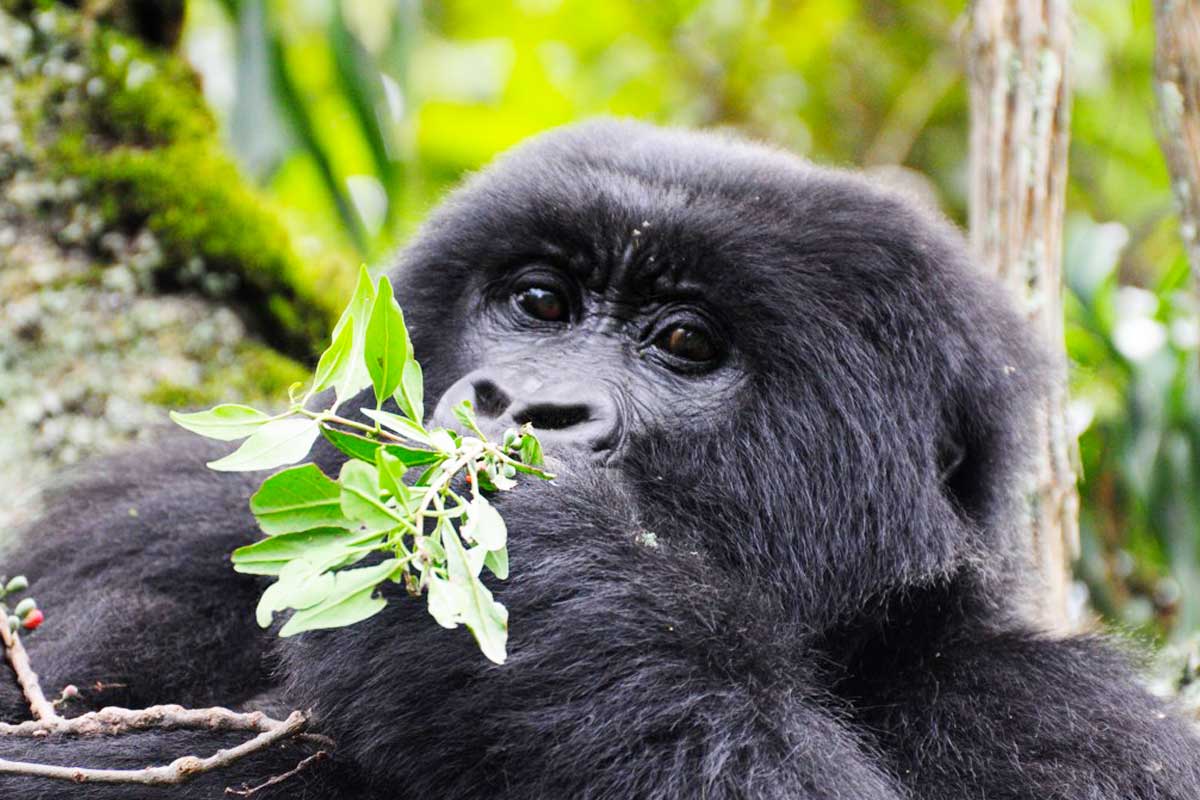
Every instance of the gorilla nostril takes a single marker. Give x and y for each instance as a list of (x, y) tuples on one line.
[(490, 399), (552, 416)]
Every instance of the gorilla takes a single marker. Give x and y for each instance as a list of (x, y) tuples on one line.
[(792, 427)]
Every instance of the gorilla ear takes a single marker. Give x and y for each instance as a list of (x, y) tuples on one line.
[(961, 457)]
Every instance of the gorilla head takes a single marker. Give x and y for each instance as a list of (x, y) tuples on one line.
[(785, 351), (791, 378), (789, 424)]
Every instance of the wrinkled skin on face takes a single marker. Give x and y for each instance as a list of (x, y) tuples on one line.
[(796, 381)]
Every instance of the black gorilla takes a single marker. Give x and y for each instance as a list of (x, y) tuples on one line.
[(794, 381)]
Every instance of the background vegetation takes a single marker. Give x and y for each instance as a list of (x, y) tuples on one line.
[(356, 116)]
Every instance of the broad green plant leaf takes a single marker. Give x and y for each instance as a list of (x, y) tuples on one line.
[(364, 449), (300, 585), (226, 422), (531, 450), (356, 316), (298, 499), (361, 500), (335, 361), (386, 346), (410, 395), (485, 525), (320, 548), (484, 617), (350, 599), (276, 444), (391, 477), (401, 425), (497, 562)]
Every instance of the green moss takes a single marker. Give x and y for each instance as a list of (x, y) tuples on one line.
[(144, 145), (195, 204), (149, 98), (257, 375)]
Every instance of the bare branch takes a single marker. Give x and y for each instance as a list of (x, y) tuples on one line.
[(114, 721), (320, 755), (178, 771), (42, 708)]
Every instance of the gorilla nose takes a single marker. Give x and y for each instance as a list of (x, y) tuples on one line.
[(574, 414)]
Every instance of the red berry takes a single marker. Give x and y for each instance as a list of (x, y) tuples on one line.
[(33, 619)]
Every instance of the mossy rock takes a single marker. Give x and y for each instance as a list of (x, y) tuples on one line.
[(130, 123), (138, 271)]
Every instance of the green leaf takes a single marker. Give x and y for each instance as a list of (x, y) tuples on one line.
[(465, 413), (531, 450), (391, 477), (401, 425), (350, 599), (360, 497), (486, 619), (351, 444), (320, 548), (446, 601), (386, 344), (356, 315), (443, 440), (299, 586), (276, 444), (410, 396), (298, 499), (364, 449), (226, 422), (497, 562), (485, 525), (335, 360)]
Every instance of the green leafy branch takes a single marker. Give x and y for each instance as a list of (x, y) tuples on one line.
[(332, 543)]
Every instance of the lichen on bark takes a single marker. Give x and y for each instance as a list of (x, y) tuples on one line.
[(137, 269)]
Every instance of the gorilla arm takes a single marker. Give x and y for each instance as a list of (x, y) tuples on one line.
[(131, 564), (1010, 713), (634, 671)]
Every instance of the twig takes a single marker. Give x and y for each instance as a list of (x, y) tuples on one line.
[(42, 708), (320, 755), (178, 771), (114, 721)]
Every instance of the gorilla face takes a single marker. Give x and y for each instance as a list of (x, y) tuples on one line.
[(594, 347)]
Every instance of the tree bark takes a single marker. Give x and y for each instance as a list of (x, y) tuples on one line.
[(1020, 114), (1177, 84)]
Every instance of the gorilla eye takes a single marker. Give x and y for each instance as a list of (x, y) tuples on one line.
[(542, 303), (688, 343)]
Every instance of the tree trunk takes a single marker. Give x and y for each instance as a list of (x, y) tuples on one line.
[(138, 272), (1020, 112), (1177, 84)]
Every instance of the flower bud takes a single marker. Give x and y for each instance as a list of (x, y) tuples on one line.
[(33, 619), (25, 606), (13, 624), (18, 584)]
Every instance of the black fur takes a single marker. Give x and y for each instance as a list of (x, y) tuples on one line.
[(833, 608)]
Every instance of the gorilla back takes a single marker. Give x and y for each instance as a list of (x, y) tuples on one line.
[(794, 380)]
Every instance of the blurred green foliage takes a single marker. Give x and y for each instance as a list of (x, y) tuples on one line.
[(359, 114)]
